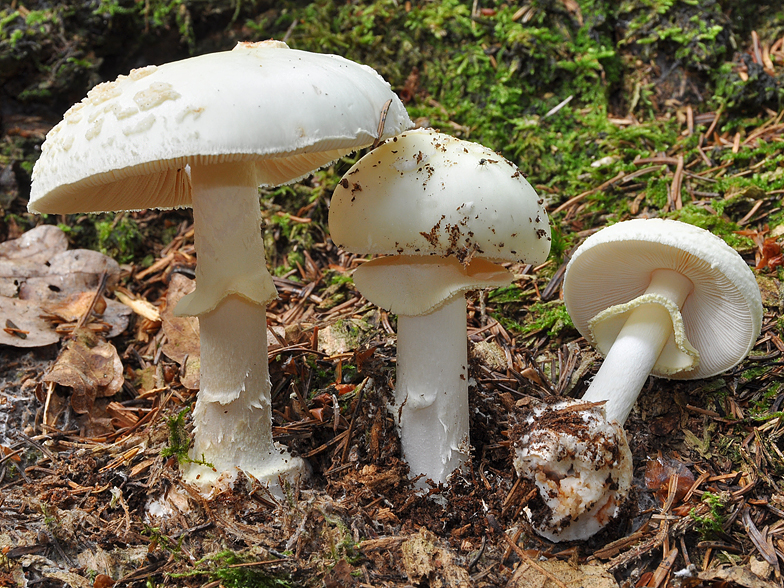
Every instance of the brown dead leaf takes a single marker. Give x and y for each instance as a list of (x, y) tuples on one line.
[(340, 576), (736, 575), (90, 367), (182, 332), (75, 270), (37, 245), (26, 316), (103, 581), (423, 560), (658, 472), (28, 256), (38, 268), (71, 308), (586, 576)]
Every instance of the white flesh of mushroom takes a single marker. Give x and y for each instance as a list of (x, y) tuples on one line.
[(581, 464)]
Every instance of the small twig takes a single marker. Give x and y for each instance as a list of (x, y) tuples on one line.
[(37, 446), (558, 107), (677, 182), (579, 197), (382, 121), (290, 30), (350, 429), (527, 559), (477, 557), (712, 126), (98, 291)]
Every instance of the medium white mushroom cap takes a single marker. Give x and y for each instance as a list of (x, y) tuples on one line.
[(127, 144), (426, 193), (721, 318)]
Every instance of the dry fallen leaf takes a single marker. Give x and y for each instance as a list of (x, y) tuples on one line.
[(736, 575), (75, 270), (90, 367), (658, 472), (70, 308), (37, 245), (586, 576), (27, 256), (26, 316), (426, 562), (38, 275), (182, 332)]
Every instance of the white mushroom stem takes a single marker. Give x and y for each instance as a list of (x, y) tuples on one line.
[(236, 433), (431, 393), (637, 348), (233, 428)]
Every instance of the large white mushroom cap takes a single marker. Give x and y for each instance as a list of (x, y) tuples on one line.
[(721, 318), (127, 144)]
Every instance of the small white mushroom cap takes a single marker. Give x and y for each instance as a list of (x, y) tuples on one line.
[(443, 209), (427, 193), (721, 318), (127, 144)]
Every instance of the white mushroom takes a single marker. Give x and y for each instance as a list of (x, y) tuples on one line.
[(655, 297), (206, 132), (443, 210)]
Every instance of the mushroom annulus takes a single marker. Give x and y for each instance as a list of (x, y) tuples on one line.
[(654, 296), (443, 211), (206, 132)]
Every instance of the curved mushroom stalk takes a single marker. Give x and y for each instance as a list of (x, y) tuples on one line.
[(648, 294), (431, 391), (233, 428), (649, 323)]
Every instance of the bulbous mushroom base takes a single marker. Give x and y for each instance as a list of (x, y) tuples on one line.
[(580, 463), (241, 447)]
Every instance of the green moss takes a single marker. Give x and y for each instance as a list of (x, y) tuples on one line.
[(542, 316), (118, 236), (225, 568), (340, 541), (716, 224), (335, 278), (507, 294), (711, 524), (179, 442)]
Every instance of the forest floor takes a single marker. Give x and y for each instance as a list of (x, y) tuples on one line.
[(655, 109)]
